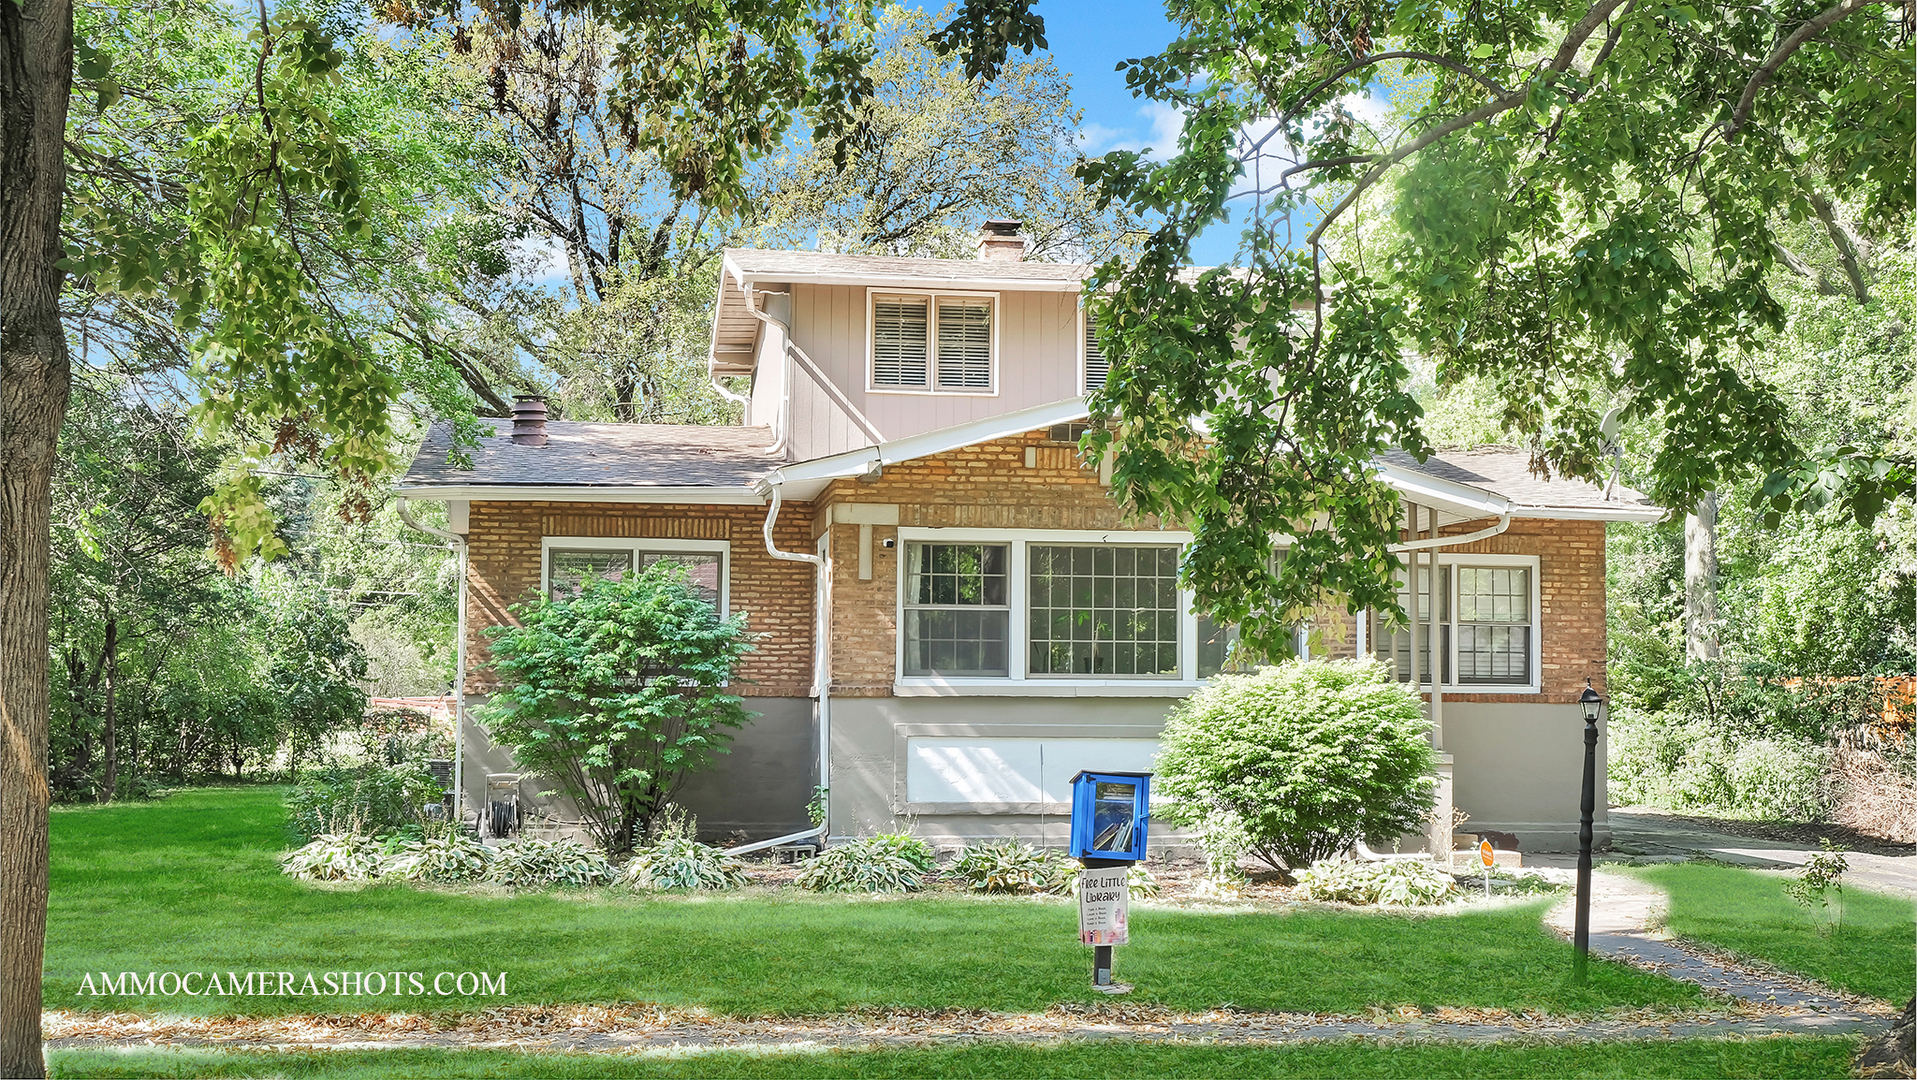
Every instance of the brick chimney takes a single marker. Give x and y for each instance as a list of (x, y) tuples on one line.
[(529, 420), (999, 241)]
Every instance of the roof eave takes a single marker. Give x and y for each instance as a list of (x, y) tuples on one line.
[(695, 495)]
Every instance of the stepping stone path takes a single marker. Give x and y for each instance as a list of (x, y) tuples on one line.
[(1624, 915)]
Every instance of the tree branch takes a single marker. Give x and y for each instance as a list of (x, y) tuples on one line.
[(1567, 51), (1762, 77)]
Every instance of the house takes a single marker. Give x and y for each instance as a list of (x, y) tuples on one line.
[(906, 520)]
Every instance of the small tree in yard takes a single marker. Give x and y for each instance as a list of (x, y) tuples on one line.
[(617, 693), (1298, 761)]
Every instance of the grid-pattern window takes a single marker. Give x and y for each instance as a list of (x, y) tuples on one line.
[(965, 344), (1395, 645), (1494, 625), (1097, 368), (1104, 610), (957, 609), (900, 340), (568, 570)]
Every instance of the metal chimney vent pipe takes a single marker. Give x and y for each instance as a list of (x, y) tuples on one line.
[(529, 420)]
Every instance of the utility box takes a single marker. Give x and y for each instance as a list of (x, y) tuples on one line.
[(1110, 814)]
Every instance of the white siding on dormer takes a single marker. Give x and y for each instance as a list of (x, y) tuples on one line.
[(1038, 342)]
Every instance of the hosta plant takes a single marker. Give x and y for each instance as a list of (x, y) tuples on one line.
[(1394, 883), (454, 856), (1010, 866), (536, 863), (336, 857), (893, 862), (681, 862)]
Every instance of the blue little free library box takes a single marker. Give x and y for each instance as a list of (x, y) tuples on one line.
[(1110, 812)]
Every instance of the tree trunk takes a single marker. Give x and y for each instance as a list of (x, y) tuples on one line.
[(1700, 580), (36, 70), (110, 738)]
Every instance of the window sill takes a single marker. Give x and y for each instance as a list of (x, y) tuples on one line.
[(1042, 688)]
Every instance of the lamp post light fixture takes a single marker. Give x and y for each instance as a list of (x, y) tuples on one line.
[(1581, 935)]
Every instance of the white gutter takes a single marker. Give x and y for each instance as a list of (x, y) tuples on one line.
[(1504, 522), (821, 678), (459, 661)]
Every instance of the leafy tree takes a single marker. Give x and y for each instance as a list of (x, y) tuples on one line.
[(941, 152), (617, 693), (1582, 201), (1298, 761)]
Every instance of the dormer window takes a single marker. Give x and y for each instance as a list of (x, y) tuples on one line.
[(932, 343), (1096, 367)]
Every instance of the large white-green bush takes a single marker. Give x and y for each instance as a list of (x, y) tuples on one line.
[(891, 862), (1298, 761), (1396, 883)]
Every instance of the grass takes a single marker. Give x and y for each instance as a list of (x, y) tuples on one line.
[(1746, 912), (1772, 1057), (190, 883)]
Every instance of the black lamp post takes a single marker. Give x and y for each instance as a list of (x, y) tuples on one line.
[(1581, 936)]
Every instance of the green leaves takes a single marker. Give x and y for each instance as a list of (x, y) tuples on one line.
[(617, 693)]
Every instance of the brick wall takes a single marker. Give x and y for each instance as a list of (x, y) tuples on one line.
[(504, 546), (988, 486)]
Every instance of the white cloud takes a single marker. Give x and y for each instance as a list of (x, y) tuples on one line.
[(543, 257), (1164, 123)]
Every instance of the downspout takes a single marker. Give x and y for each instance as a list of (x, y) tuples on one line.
[(821, 679), (779, 443), (459, 661)]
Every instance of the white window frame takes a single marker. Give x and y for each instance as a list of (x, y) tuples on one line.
[(1018, 639), (931, 387), (1448, 565), (634, 546)]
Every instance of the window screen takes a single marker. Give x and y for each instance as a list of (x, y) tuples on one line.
[(965, 344), (899, 340), (702, 570), (1395, 645), (1097, 368), (1494, 625), (571, 569), (957, 609), (1104, 610)]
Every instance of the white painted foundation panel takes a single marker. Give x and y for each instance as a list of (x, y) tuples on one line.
[(1014, 770)]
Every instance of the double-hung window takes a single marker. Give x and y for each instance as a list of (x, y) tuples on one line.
[(932, 342), (572, 562), (957, 610), (1485, 623)]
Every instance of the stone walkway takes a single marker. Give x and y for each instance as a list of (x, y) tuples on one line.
[(1625, 913)]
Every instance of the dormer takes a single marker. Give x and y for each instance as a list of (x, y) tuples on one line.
[(849, 350)]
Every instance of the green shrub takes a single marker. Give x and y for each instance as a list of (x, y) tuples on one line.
[(336, 857), (892, 862), (1393, 883), (367, 801), (1298, 761), (532, 864), (616, 693), (1665, 758), (1010, 866), (680, 862), (452, 856)]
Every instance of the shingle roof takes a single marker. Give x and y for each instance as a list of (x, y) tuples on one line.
[(579, 454), (768, 265), (1506, 471)]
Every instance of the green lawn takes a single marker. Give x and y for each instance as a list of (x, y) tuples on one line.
[(1773, 1057), (190, 883), (1746, 912)]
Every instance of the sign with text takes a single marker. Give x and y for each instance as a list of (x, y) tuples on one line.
[(1103, 907)]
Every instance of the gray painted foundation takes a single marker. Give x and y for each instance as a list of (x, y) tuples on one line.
[(759, 789), (1517, 767)]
